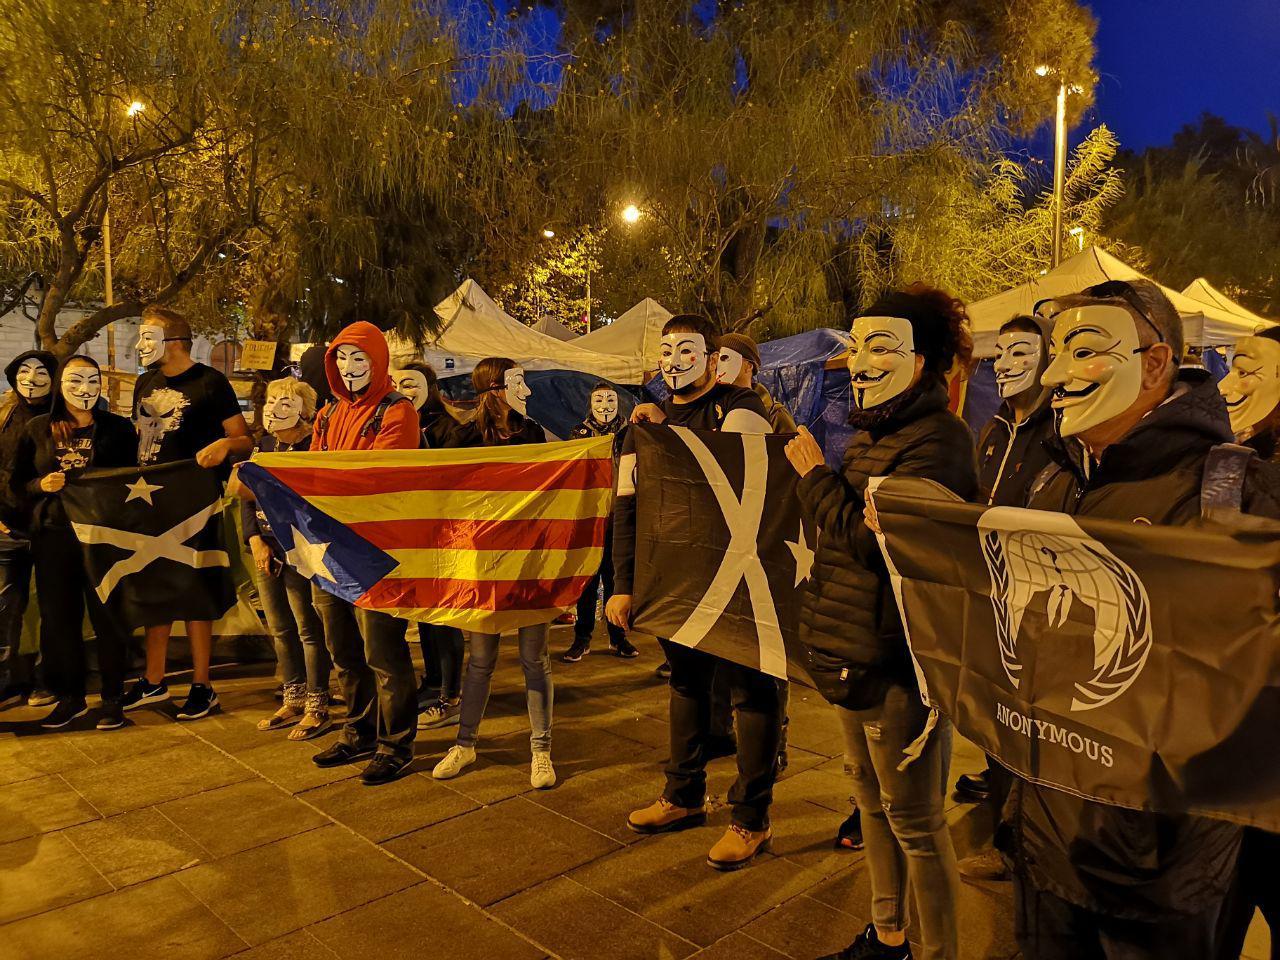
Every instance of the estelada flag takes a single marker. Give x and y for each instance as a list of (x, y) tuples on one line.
[(153, 541), (1131, 664), (486, 539), (721, 554)]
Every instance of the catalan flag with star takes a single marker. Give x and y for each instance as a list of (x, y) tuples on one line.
[(487, 539)]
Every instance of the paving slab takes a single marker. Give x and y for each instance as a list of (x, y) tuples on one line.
[(299, 945), (42, 873), (154, 777), (135, 847), (29, 757), (601, 799), (241, 816), (287, 763), (41, 804), (803, 928), (283, 886), (738, 946), (381, 813)]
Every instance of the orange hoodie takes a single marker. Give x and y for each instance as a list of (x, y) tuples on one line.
[(399, 430)]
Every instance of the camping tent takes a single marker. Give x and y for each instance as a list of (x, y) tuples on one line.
[(1202, 291), (1203, 324), (554, 328), (473, 327), (637, 334)]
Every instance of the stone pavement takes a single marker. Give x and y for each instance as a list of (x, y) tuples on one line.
[(211, 839)]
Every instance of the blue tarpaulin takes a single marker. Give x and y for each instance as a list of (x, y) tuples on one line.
[(560, 399)]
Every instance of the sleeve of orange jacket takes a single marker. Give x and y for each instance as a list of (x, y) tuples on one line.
[(400, 430)]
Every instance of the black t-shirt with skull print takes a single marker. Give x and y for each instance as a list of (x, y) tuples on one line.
[(177, 417)]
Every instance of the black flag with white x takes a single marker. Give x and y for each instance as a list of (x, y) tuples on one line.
[(721, 554), (153, 541)]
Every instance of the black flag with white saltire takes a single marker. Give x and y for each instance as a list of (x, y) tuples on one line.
[(1133, 664), (721, 554), (153, 541)]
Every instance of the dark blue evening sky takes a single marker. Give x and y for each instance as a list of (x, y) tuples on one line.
[(1161, 63)]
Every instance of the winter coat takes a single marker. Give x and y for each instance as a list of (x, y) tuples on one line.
[(779, 416), (468, 435), (436, 423), (1119, 862), (344, 423), (15, 413), (1011, 455), (849, 622)]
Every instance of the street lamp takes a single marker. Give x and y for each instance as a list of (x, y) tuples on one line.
[(549, 233), (630, 213), (135, 108), (1059, 159)]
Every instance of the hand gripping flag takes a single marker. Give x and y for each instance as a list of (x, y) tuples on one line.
[(721, 553), (487, 539), (153, 542), (1130, 664)]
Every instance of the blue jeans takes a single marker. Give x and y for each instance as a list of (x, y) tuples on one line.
[(538, 689), (295, 627)]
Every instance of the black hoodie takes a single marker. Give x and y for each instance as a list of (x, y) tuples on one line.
[(1127, 863), (15, 413)]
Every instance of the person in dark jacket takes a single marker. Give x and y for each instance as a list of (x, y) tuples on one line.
[(442, 647), (1093, 880), (739, 364), (31, 375), (302, 659), (75, 435), (603, 419), (501, 421), (900, 354), (1011, 454)]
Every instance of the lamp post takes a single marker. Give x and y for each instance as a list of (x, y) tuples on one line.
[(1059, 170), (135, 107)]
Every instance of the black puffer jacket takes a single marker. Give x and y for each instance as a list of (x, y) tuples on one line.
[(1119, 862), (849, 623), (15, 413)]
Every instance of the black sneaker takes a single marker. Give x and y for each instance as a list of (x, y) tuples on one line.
[(869, 947), (201, 701), (849, 835), (342, 753), (111, 716), (426, 695), (664, 670), (577, 651), (973, 788), (142, 693), (625, 649), (40, 698), (384, 768), (64, 713)]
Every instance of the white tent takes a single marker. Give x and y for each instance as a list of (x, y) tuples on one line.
[(473, 327), (636, 334), (1203, 324), (554, 328), (1202, 291)]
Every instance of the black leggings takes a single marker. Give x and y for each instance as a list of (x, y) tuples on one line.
[(64, 592), (442, 652)]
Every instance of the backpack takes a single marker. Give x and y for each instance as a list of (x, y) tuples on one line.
[(1222, 489), (372, 427)]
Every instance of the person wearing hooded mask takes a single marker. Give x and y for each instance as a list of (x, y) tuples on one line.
[(182, 410), (901, 352), (367, 646), (77, 434), (31, 375), (1011, 453), (739, 365)]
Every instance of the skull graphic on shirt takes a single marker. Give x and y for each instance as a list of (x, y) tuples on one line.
[(159, 414)]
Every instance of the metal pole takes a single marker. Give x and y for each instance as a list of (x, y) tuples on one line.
[(113, 388), (1059, 171), (588, 295)]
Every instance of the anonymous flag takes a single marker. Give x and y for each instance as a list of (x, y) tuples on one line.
[(1134, 665), (153, 543), (721, 553)]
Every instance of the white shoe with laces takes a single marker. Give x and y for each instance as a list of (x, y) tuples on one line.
[(454, 762), (542, 775)]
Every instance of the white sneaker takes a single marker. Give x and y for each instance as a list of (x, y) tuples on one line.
[(542, 775), (454, 761)]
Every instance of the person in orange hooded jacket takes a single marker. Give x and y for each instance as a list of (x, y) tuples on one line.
[(368, 647)]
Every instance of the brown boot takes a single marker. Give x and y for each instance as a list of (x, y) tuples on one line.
[(738, 847), (985, 865), (663, 816)]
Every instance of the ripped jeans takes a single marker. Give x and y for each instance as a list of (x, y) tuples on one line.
[(903, 819)]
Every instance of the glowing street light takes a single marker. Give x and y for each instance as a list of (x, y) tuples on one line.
[(631, 213), (135, 108), (549, 233), (1043, 70)]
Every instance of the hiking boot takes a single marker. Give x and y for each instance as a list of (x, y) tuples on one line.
[(442, 713), (869, 947), (142, 693), (849, 834), (315, 718), (454, 762), (384, 768), (738, 847), (342, 753), (984, 865), (663, 816), (577, 651), (542, 775), (66, 711), (201, 701), (973, 788), (624, 648), (111, 715)]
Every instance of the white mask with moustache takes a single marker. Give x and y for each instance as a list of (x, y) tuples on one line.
[(1018, 355), (517, 391), (32, 381), (1252, 388), (604, 406), (281, 412), (81, 386), (150, 344), (1095, 366), (683, 360), (413, 384), (354, 367), (882, 359)]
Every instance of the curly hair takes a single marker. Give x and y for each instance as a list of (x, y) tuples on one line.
[(939, 326)]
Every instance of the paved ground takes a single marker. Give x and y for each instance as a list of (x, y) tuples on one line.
[(211, 839)]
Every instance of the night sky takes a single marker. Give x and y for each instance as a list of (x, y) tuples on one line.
[(1161, 63)]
